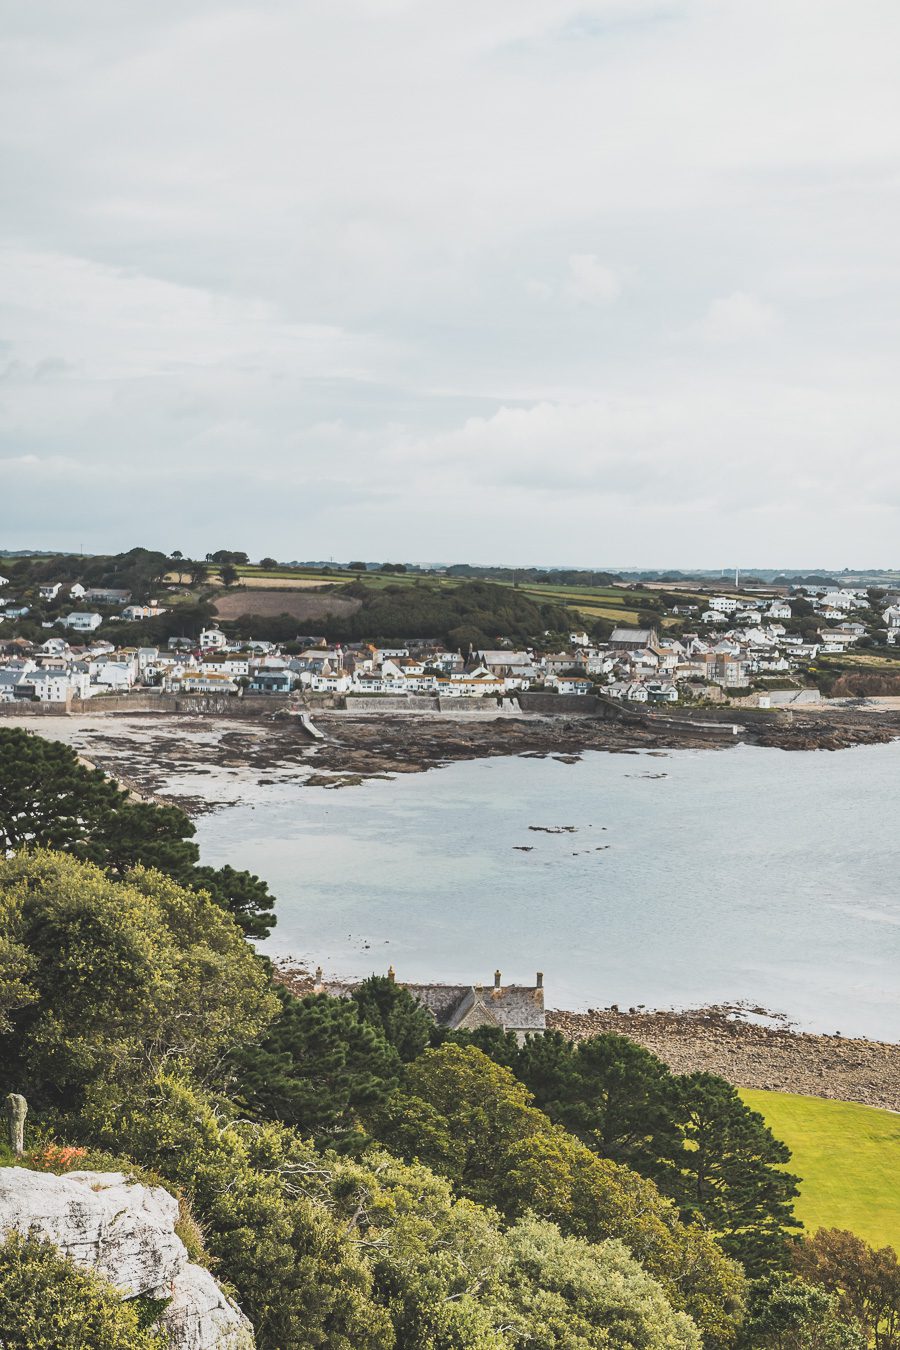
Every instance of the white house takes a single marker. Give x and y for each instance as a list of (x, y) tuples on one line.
[(713, 616), (51, 686), (725, 604), (132, 613), (566, 684), (83, 621), (843, 600), (336, 683), (779, 609), (469, 686), (76, 591), (50, 591), (233, 666), (891, 616), (205, 684), (212, 638), (107, 595), (661, 692), (55, 646), (4, 581)]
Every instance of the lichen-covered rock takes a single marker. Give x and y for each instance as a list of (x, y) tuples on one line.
[(121, 1229), (199, 1314), (125, 1231)]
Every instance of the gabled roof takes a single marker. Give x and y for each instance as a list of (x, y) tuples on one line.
[(512, 1006)]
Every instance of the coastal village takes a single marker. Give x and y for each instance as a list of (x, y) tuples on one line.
[(725, 647)]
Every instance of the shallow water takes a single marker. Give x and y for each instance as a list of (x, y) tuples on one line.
[(745, 874)]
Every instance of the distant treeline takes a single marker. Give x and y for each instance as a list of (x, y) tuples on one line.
[(140, 570), (474, 613)]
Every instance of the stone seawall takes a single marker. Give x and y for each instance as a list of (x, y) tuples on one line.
[(220, 705), (537, 702), (386, 703)]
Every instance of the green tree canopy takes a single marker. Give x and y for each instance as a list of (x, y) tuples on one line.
[(692, 1135), (298, 1275), (116, 977), (473, 1121), (318, 1066), (49, 799), (612, 1094), (866, 1281), (733, 1174), (400, 1018), (561, 1291), (787, 1314)]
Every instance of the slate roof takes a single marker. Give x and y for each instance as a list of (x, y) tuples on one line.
[(635, 637), (515, 1007)]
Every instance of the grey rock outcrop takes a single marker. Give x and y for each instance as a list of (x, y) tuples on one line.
[(125, 1231)]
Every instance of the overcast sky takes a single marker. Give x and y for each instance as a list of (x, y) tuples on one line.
[(607, 284)]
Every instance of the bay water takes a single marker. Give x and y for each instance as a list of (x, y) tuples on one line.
[(673, 880)]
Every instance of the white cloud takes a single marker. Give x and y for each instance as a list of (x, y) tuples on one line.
[(738, 317), (590, 281)]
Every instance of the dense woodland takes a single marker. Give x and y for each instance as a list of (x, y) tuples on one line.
[(356, 1176)]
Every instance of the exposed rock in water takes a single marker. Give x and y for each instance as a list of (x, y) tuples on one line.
[(125, 1232)]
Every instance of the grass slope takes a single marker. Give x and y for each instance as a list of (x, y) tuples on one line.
[(848, 1157)]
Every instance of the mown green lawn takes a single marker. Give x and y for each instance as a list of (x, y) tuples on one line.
[(848, 1159)]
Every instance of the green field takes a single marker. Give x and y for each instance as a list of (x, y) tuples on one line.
[(585, 604), (848, 1157)]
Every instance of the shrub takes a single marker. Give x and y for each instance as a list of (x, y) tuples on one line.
[(47, 1302)]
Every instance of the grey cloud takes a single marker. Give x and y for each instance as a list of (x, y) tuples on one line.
[(377, 270)]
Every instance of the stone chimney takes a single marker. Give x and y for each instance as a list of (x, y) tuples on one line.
[(497, 979), (539, 979), (392, 974), (318, 984)]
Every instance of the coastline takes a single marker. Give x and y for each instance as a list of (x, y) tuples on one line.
[(753, 1054), (199, 760), (766, 1053), (206, 762)]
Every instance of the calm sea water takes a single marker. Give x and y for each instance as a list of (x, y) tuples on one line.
[(696, 877)]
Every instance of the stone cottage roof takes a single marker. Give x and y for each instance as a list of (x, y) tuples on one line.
[(513, 1007)]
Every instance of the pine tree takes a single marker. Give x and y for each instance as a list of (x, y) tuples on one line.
[(318, 1066), (732, 1174), (393, 1011)]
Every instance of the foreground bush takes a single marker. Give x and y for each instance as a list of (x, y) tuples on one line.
[(471, 1120), (373, 1253), (47, 1303), (297, 1276)]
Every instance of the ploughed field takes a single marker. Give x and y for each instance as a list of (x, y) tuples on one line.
[(848, 1158), (271, 603)]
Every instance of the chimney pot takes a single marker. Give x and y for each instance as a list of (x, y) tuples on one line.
[(540, 979), (318, 974), (391, 974), (497, 978)]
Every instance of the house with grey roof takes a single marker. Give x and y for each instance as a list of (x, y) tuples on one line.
[(632, 639), (465, 1007), (518, 1008), (84, 621)]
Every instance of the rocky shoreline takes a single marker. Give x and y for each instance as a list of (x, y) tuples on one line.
[(753, 1054), (766, 1053), (198, 760)]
